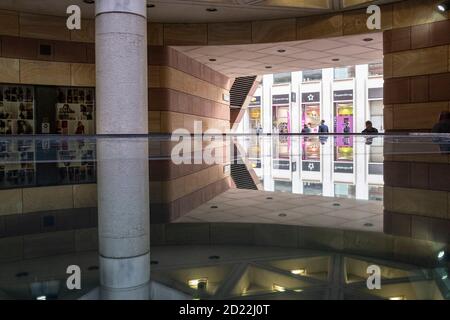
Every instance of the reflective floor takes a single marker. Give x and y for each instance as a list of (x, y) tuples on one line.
[(231, 217)]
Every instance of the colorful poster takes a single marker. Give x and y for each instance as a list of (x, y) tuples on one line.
[(311, 115), (343, 122), (311, 148)]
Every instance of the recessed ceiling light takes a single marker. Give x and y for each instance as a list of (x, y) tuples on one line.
[(444, 6), (281, 50), (211, 9), (368, 39), (212, 59)]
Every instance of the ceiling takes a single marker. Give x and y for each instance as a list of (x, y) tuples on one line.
[(252, 59), (184, 11)]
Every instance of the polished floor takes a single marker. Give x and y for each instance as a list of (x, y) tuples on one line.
[(254, 206)]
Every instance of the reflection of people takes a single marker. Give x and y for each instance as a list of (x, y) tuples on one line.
[(323, 139), (443, 125), (346, 126), (80, 128), (369, 128), (259, 129), (323, 127), (306, 129), (3, 114), (23, 127), (66, 109)]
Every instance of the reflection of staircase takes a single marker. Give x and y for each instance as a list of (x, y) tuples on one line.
[(241, 172), (241, 94), (241, 177)]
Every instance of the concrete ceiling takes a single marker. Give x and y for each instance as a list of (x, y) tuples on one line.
[(184, 11), (252, 59)]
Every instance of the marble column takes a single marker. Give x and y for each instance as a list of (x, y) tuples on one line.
[(122, 174)]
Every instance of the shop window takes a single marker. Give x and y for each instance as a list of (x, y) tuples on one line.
[(376, 151), (312, 188), (75, 111), (375, 69), (312, 75), (254, 114), (75, 114), (283, 186), (376, 114), (375, 193), (17, 163), (343, 190), (17, 157), (280, 119), (16, 110), (311, 110), (344, 73), (282, 78), (311, 148)]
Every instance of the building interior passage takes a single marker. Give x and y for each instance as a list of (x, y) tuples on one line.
[(175, 149)]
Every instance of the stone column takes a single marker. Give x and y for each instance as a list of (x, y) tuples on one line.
[(122, 175)]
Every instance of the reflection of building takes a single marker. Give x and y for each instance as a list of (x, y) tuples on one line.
[(309, 165), (345, 98)]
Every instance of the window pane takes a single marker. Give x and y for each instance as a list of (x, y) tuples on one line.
[(282, 78), (375, 69), (312, 75), (344, 73)]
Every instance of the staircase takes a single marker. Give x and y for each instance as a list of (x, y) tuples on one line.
[(240, 90), (240, 95)]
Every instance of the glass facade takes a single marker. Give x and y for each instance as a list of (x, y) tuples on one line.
[(344, 73), (311, 75)]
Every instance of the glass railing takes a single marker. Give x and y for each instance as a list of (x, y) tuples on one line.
[(225, 217)]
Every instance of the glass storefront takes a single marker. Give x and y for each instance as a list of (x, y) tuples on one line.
[(312, 188), (254, 112), (311, 110), (75, 111), (344, 73), (344, 190), (376, 193), (343, 123), (281, 78), (376, 108), (312, 75), (283, 186), (26, 110), (281, 119), (16, 110), (376, 69)]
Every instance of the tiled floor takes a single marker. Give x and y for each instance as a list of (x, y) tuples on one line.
[(237, 205)]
